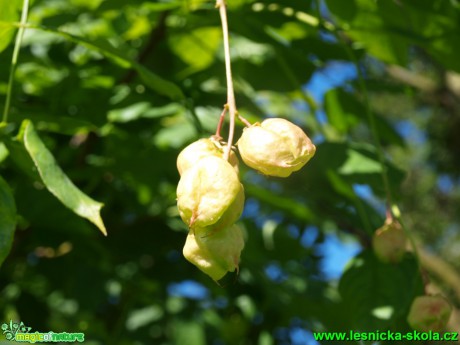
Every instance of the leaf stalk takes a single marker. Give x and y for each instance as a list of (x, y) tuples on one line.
[(14, 59)]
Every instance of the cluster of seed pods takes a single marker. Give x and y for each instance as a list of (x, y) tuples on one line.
[(210, 196)]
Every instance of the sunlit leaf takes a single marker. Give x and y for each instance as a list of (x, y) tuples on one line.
[(8, 13), (188, 333), (358, 163), (198, 47), (56, 181), (3, 152)]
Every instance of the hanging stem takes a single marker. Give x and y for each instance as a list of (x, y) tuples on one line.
[(14, 60), (230, 93)]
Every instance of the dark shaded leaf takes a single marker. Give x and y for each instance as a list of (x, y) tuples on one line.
[(378, 293), (7, 219)]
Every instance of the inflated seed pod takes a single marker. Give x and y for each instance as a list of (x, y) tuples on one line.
[(389, 242), (230, 216), (203, 148), (429, 313), (206, 190), (275, 147), (217, 253)]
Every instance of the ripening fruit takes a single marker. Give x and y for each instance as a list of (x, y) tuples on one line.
[(203, 148), (429, 313), (217, 253), (389, 242), (206, 190), (275, 147), (230, 216)]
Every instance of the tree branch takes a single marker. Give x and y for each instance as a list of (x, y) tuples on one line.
[(156, 36), (441, 269), (410, 78)]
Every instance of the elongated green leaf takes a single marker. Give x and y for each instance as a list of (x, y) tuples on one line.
[(296, 209), (56, 181), (142, 110), (59, 124), (153, 81), (8, 13), (7, 219)]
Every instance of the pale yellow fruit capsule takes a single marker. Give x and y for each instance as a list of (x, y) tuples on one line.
[(275, 147), (230, 216), (215, 254), (203, 148), (389, 242), (429, 313), (206, 190)]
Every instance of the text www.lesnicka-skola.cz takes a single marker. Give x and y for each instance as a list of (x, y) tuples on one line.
[(387, 336)]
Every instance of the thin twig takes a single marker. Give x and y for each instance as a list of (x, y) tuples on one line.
[(230, 93), (14, 59), (221, 121), (242, 119), (392, 208), (156, 36)]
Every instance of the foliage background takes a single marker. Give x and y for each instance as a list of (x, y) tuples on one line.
[(87, 78)]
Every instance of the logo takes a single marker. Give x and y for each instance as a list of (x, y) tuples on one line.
[(17, 331)]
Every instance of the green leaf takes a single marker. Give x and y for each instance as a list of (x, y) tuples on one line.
[(188, 333), (344, 111), (7, 219), (359, 163), (60, 124), (152, 80), (379, 293), (198, 47), (142, 110), (339, 115), (356, 163), (3, 152), (8, 13), (367, 27), (56, 181), (291, 207), (21, 159)]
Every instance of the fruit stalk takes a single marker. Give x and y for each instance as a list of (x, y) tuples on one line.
[(220, 4)]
